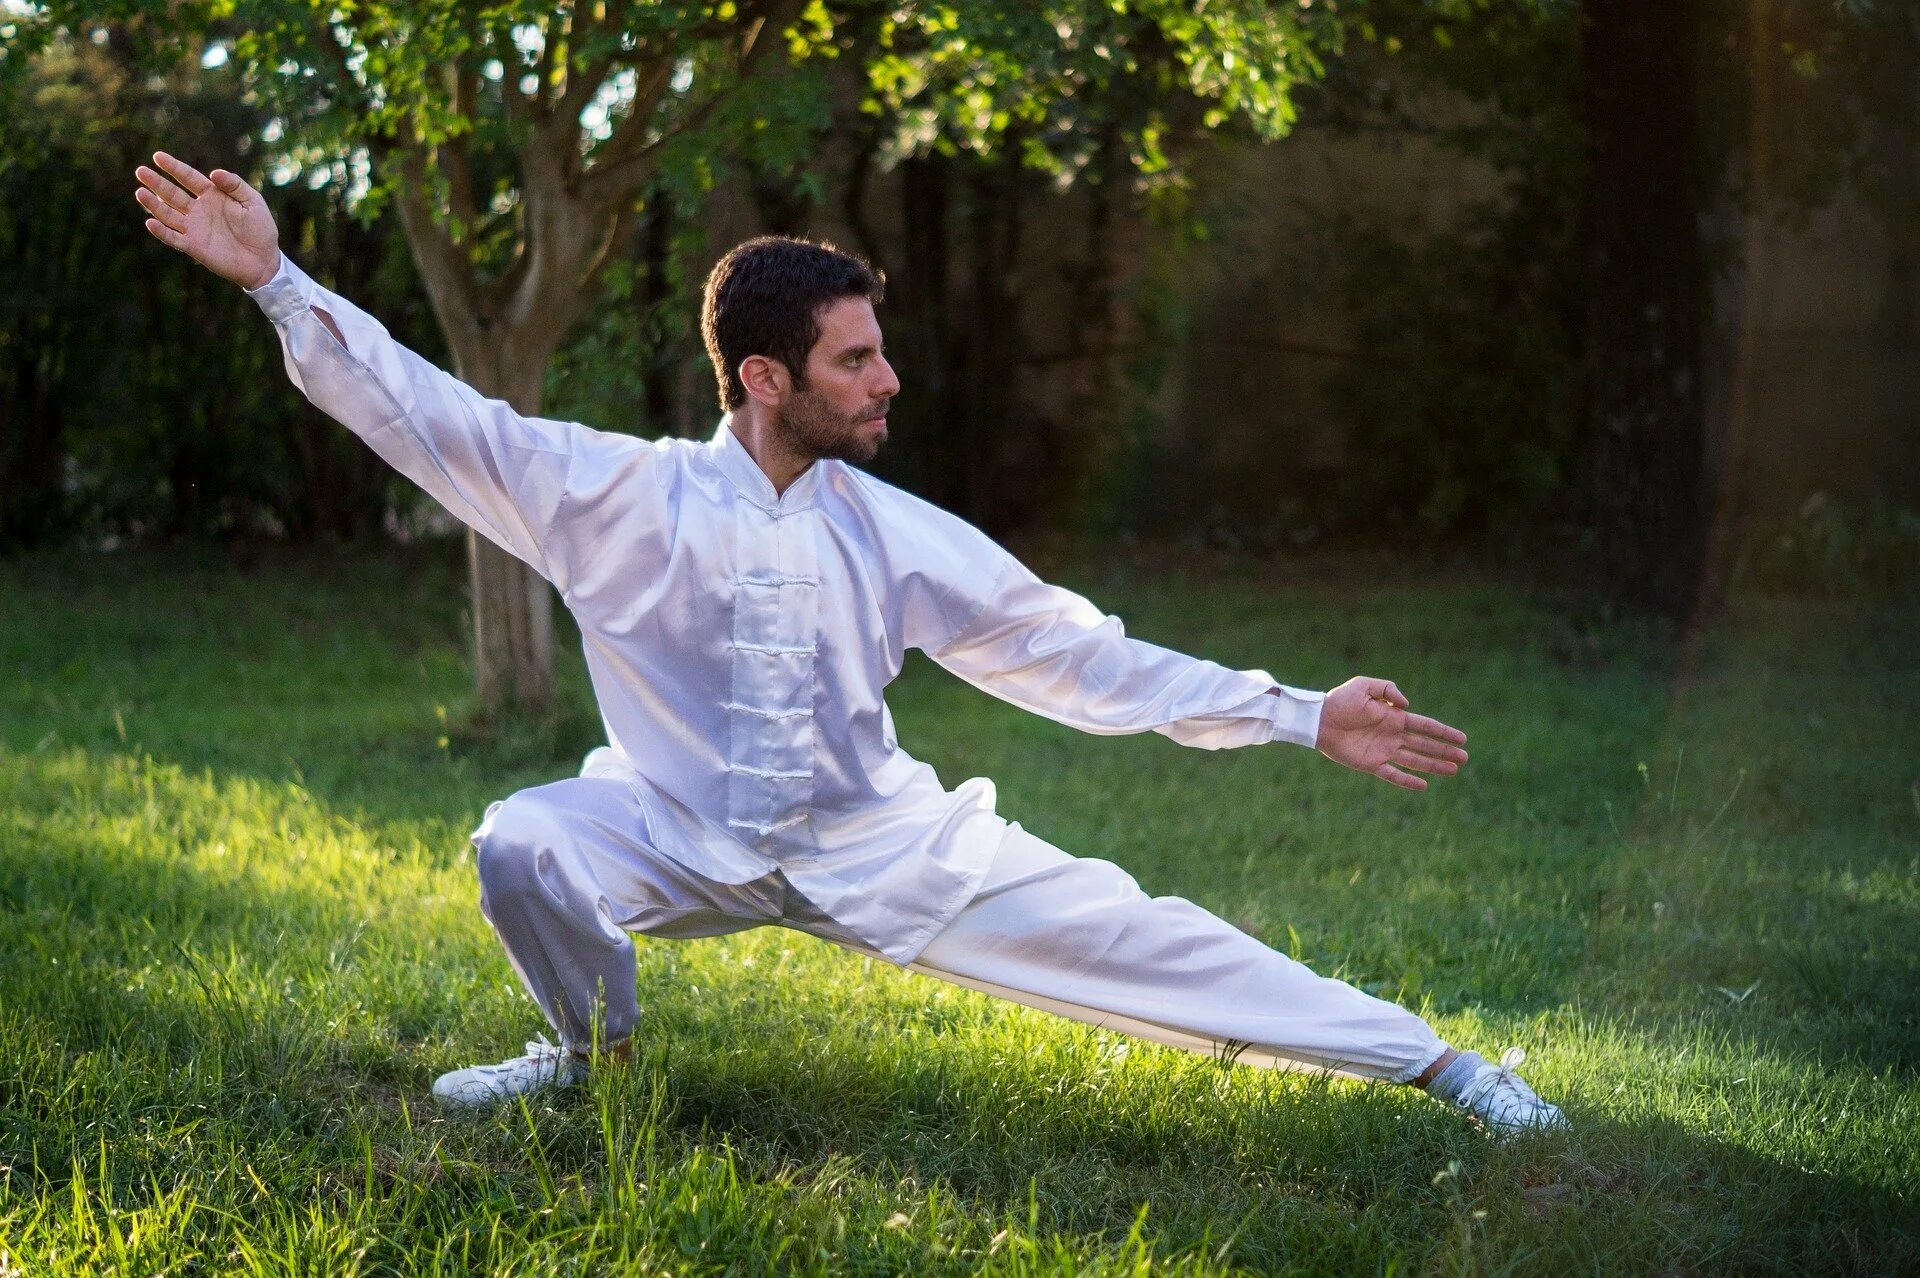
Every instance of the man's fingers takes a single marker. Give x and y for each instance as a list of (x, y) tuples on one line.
[(162, 187), (232, 185), (167, 235), (1427, 748), (1425, 763), (1434, 728), (1417, 744), (1385, 690), (1406, 781), (162, 211), (193, 179)]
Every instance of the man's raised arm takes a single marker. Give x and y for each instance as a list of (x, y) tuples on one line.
[(498, 471)]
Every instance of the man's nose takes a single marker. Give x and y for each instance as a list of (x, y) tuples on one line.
[(889, 385)]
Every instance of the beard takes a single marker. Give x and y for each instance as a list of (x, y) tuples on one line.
[(814, 428)]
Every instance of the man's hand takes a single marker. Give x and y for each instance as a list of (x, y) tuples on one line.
[(219, 222), (1365, 725)]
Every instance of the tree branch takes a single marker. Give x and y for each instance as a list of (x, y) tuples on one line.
[(617, 236), (521, 109), (581, 88), (455, 155), (628, 138), (443, 265), (625, 161), (552, 37), (321, 33)]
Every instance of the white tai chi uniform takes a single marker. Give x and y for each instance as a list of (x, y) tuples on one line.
[(739, 642)]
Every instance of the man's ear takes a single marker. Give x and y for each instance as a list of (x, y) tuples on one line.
[(766, 380)]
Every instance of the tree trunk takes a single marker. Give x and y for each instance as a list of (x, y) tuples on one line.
[(504, 356), (1650, 508), (512, 629), (512, 604), (505, 313)]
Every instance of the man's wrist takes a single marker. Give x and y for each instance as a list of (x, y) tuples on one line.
[(273, 269), (1296, 717), (287, 291)]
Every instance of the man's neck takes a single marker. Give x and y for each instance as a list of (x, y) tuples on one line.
[(778, 462)]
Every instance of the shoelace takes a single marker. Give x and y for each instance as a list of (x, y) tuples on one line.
[(541, 1050), (1510, 1060)]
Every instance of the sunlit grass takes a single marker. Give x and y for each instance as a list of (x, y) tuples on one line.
[(238, 938)]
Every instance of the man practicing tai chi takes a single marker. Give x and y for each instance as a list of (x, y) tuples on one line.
[(744, 603)]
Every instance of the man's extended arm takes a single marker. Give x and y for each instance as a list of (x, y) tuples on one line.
[(498, 471), (1048, 650), (495, 469)]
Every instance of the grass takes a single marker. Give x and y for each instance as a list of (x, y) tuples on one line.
[(239, 937)]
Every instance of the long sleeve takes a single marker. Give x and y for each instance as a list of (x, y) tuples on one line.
[(496, 470), (1050, 651)]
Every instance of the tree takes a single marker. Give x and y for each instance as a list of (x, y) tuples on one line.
[(511, 259)]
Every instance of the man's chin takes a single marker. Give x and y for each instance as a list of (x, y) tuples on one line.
[(863, 444)]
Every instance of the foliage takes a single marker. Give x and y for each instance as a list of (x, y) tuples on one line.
[(1835, 81), (1043, 77), (137, 400), (993, 113), (624, 362), (1463, 415), (241, 936), (342, 84), (1462, 420)]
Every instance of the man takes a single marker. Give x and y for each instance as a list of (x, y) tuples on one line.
[(743, 604)]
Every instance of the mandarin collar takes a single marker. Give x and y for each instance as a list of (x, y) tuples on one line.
[(738, 465)]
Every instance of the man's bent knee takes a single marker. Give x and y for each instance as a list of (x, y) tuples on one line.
[(509, 845)]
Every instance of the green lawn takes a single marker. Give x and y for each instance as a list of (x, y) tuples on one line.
[(239, 937)]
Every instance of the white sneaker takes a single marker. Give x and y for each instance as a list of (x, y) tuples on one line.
[(543, 1066), (1502, 1100)]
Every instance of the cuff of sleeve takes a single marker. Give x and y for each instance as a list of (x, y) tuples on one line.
[(1295, 714), (286, 294)]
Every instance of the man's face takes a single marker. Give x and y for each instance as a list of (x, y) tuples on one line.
[(842, 409)]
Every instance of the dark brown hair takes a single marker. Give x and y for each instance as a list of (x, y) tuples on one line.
[(764, 298)]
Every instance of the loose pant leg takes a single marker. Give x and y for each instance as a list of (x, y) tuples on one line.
[(1078, 937), (566, 872)]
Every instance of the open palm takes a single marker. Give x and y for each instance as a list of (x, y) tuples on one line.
[(218, 221), (1365, 725)]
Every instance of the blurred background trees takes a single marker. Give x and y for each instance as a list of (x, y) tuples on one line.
[(1534, 279)]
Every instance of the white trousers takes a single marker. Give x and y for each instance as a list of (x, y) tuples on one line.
[(566, 876)]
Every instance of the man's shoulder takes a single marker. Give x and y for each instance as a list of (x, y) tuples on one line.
[(601, 453), (897, 509), (611, 469), (944, 567)]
